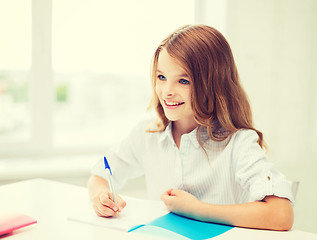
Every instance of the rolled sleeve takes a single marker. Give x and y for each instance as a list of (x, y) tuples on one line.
[(271, 183), (254, 173)]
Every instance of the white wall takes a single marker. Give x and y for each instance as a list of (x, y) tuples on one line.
[(275, 47)]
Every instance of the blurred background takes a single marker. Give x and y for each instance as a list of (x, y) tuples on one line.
[(75, 77)]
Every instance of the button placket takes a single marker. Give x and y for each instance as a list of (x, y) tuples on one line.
[(178, 169), (183, 153)]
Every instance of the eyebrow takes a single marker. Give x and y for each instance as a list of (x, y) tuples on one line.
[(181, 75)]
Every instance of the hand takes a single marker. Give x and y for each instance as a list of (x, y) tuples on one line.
[(105, 207), (181, 202)]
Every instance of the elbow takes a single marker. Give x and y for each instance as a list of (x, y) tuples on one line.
[(284, 219), (280, 215), (287, 222), (284, 225)]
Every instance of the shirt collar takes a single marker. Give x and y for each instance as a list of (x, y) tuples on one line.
[(167, 133), (193, 137)]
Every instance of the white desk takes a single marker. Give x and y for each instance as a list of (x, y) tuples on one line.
[(49, 202)]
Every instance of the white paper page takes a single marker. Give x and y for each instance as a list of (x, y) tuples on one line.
[(136, 212)]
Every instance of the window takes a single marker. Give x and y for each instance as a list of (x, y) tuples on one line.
[(15, 62), (89, 79)]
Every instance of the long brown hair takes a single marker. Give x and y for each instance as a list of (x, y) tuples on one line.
[(219, 102)]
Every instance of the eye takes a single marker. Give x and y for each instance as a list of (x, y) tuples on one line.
[(161, 77), (183, 81)]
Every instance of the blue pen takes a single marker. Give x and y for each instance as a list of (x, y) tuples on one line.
[(109, 176)]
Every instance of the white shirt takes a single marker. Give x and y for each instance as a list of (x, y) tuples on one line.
[(235, 171)]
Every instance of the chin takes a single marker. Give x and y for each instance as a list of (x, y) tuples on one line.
[(171, 118)]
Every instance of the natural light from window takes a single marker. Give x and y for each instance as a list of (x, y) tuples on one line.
[(15, 62), (101, 59), (75, 74)]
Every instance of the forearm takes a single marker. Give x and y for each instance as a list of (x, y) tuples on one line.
[(272, 213), (97, 185)]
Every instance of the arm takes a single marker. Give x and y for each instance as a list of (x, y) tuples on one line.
[(101, 199), (272, 212)]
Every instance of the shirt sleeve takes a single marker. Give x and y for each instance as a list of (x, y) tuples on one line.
[(254, 173), (125, 162)]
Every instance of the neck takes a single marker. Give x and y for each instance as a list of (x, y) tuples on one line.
[(183, 128), (180, 127)]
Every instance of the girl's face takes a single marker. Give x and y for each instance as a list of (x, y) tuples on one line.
[(173, 89)]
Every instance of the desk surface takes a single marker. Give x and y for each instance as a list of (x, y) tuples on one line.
[(49, 202)]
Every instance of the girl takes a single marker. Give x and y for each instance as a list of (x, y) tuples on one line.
[(202, 157)]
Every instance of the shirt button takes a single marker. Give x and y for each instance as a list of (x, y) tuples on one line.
[(268, 178)]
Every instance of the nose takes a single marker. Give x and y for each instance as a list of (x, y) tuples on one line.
[(168, 89)]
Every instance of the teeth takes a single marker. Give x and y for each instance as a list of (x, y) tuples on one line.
[(173, 103)]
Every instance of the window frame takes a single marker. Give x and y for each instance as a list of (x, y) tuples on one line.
[(42, 87), (40, 82)]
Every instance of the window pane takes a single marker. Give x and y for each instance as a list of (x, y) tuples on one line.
[(101, 58), (15, 62)]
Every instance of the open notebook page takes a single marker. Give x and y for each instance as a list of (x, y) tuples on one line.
[(136, 212)]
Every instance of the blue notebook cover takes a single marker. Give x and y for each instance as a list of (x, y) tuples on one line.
[(189, 228)]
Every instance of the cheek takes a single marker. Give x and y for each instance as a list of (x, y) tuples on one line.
[(158, 89), (187, 95), (189, 99)]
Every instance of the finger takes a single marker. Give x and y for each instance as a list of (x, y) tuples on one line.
[(166, 198), (163, 197), (168, 192), (168, 201), (106, 201), (103, 211), (175, 192), (121, 203), (97, 211)]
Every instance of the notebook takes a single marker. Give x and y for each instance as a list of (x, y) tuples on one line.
[(151, 217), (11, 222), (136, 212)]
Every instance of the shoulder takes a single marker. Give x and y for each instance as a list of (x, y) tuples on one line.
[(244, 143), (144, 127), (244, 136), (140, 128), (135, 139), (240, 137)]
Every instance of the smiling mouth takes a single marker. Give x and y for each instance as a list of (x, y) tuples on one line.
[(173, 104)]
